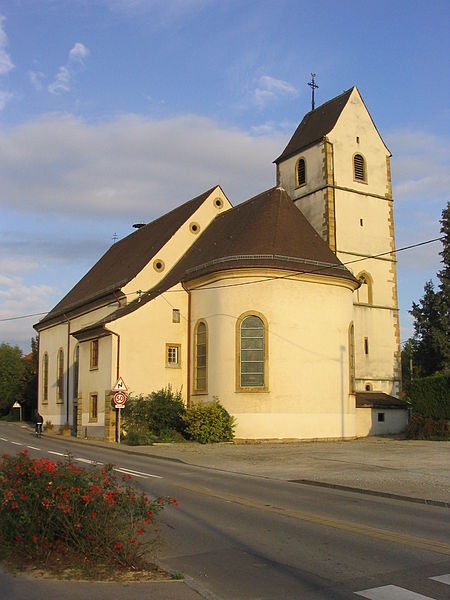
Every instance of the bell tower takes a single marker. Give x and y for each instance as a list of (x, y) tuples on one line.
[(336, 168)]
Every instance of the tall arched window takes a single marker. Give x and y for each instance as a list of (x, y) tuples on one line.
[(76, 371), (201, 358), (252, 352), (351, 358), (364, 292), (300, 171), (359, 168), (60, 376), (45, 378)]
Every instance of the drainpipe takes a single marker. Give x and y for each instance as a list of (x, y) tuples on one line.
[(188, 394), (68, 367), (117, 377), (39, 372)]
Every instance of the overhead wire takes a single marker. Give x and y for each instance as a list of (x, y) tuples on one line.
[(241, 283)]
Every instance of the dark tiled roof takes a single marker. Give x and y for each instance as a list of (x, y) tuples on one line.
[(378, 400), (315, 125), (267, 231), (125, 259)]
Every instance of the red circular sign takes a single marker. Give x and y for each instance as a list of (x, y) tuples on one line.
[(119, 399)]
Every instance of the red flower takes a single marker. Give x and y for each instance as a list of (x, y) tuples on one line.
[(117, 546)]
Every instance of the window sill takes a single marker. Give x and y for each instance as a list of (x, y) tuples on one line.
[(173, 366), (256, 390), (93, 368), (361, 181), (200, 393)]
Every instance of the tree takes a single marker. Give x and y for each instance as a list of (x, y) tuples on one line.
[(12, 373), (30, 389), (430, 345)]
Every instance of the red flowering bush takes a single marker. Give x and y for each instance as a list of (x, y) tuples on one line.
[(50, 510)]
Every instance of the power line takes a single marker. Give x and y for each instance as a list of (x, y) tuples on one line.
[(394, 252)]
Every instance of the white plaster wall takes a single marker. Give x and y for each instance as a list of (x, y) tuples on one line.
[(50, 340), (143, 338), (354, 121), (95, 381), (367, 421), (307, 357), (309, 198), (178, 245)]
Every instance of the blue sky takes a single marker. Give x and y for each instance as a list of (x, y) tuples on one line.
[(115, 111)]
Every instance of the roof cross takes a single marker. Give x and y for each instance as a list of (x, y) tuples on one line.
[(313, 85)]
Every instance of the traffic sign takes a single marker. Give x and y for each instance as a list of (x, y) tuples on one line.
[(120, 399), (120, 386)]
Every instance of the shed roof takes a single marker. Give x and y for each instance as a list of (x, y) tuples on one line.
[(379, 400)]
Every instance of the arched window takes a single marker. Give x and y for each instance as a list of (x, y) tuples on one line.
[(359, 168), (76, 371), (364, 292), (201, 358), (45, 378), (351, 358), (300, 171), (60, 376), (252, 352)]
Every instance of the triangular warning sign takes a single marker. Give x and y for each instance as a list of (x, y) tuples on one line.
[(120, 386)]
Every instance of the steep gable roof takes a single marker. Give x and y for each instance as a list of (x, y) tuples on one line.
[(125, 259), (315, 125)]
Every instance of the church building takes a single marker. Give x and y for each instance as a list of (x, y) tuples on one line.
[(284, 307)]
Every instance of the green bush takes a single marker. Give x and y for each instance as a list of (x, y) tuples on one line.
[(166, 411), (426, 428), (430, 396), (53, 511), (158, 415), (139, 438), (209, 423)]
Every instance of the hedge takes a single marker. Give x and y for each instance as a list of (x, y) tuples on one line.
[(430, 396)]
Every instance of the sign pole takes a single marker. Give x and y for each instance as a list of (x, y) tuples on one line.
[(118, 433)]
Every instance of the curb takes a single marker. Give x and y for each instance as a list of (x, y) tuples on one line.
[(355, 490)]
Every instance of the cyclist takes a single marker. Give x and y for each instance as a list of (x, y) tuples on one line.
[(39, 421)]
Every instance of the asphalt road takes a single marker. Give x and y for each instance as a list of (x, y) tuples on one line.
[(247, 537)]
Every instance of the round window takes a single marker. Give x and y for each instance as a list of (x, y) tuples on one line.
[(158, 265), (218, 202), (194, 227)]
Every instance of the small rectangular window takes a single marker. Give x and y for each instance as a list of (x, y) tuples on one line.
[(94, 354), (366, 345), (361, 222), (175, 315), (93, 407), (380, 417), (173, 355)]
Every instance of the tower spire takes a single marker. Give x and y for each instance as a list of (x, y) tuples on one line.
[(313, 85)]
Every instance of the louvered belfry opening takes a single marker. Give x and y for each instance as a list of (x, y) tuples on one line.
[(301, 172), (358, 164)]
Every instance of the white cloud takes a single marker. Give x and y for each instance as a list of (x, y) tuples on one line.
[(4, 98), (79, 52), (61, 83), (6, 64), (130, 165), (63, 79), (270, 89), (420, 164), (36, 79)]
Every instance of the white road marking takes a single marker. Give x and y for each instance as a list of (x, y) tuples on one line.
[(391, 592), (137, 473), (17, 443), (33, 448), (3, 439), (442, 579), (88, 461), (57, 453)]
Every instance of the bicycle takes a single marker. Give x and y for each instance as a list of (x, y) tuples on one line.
[(38, 430)]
